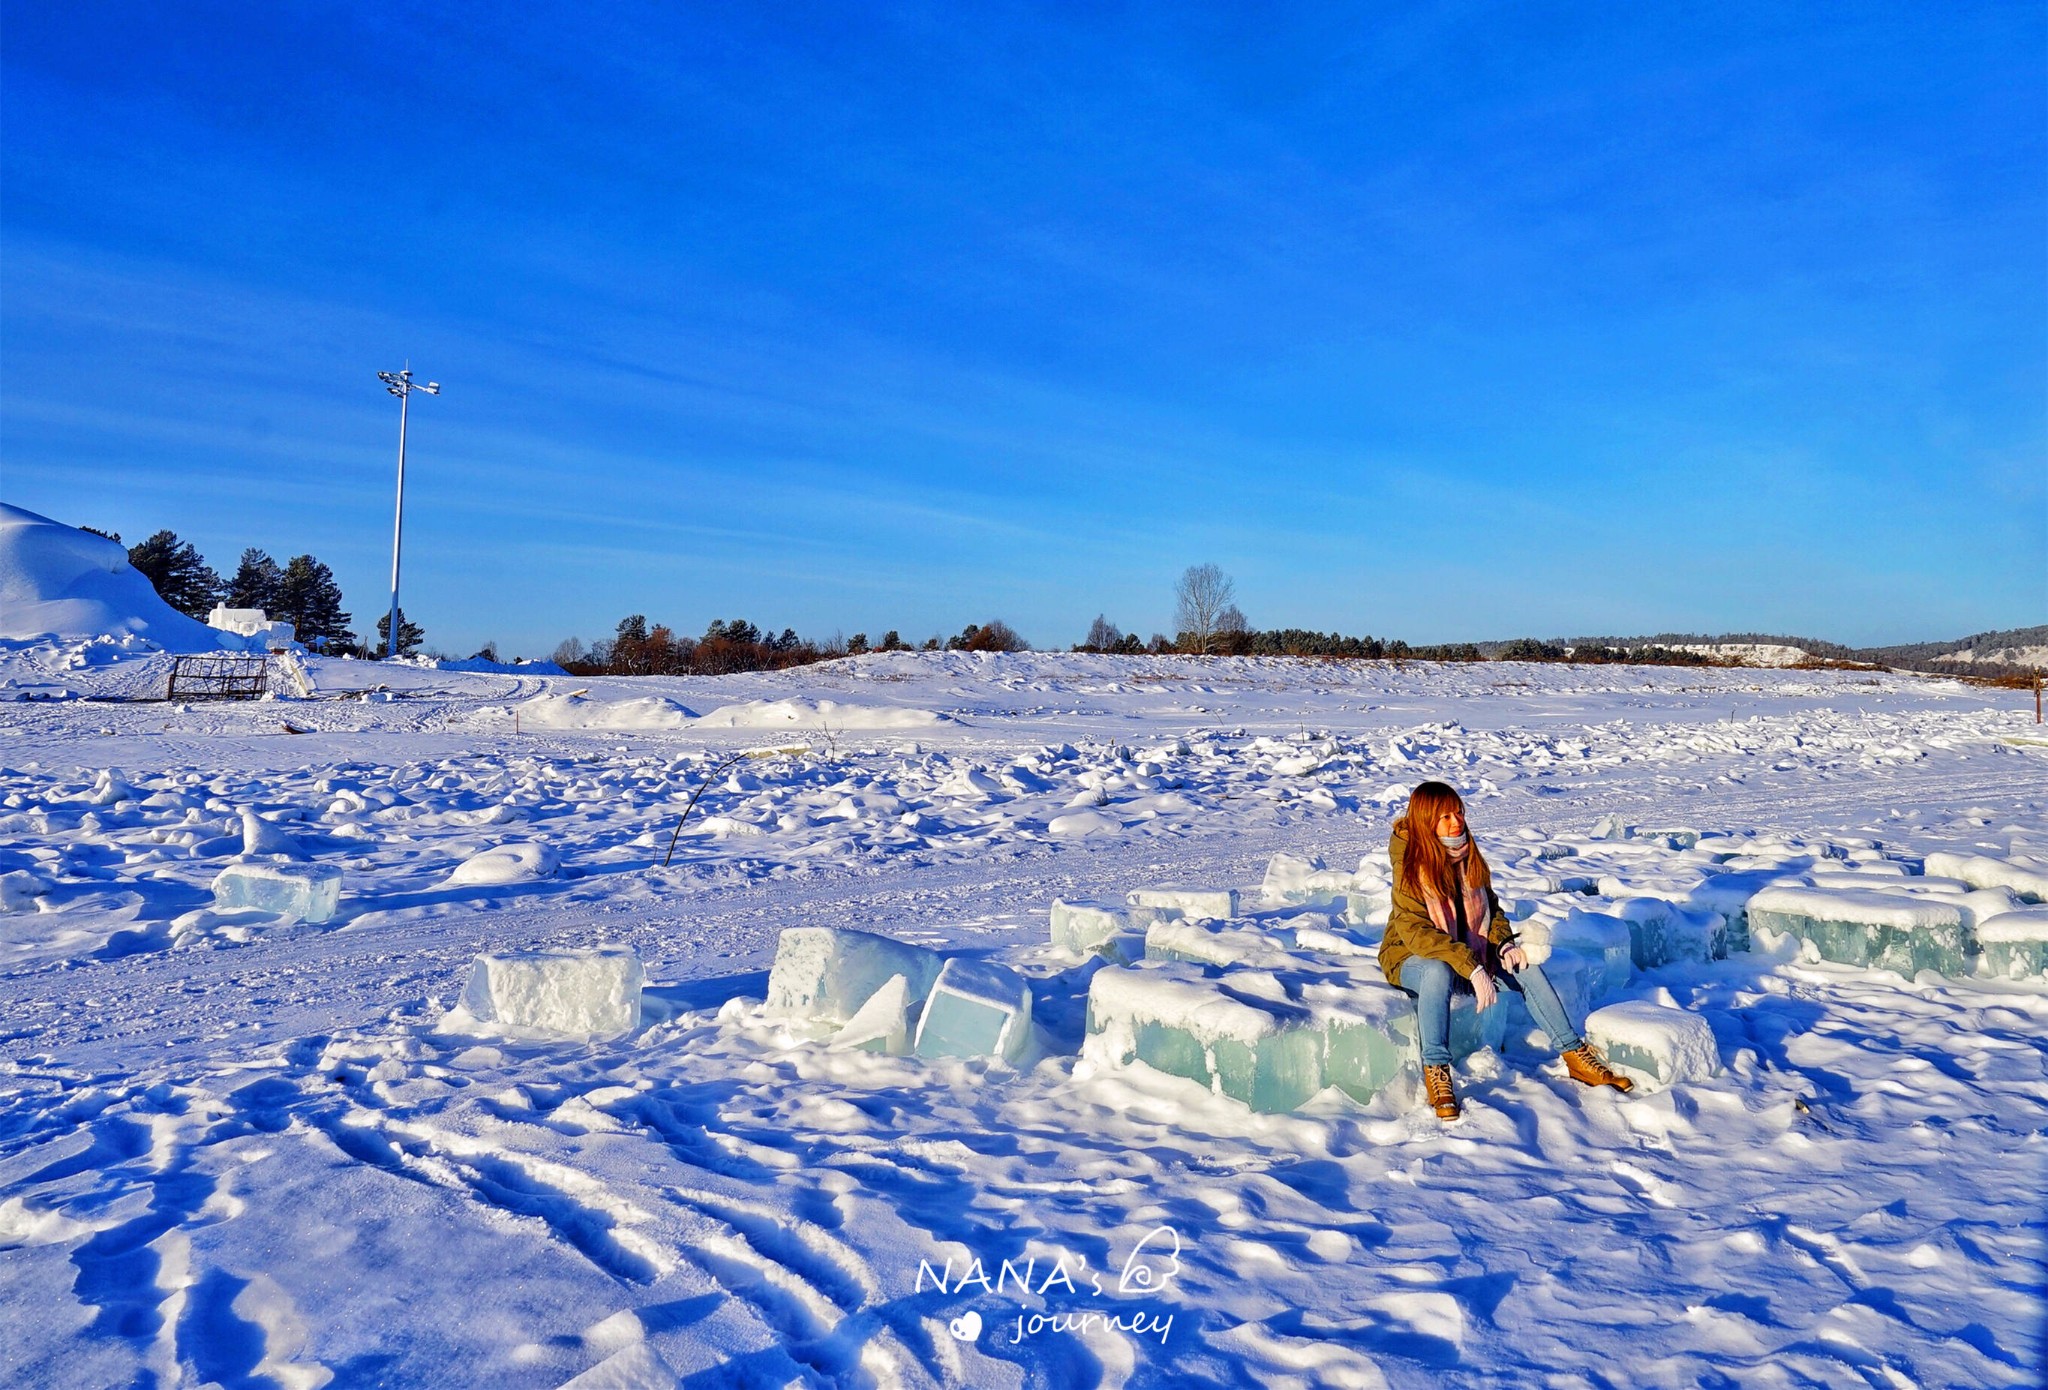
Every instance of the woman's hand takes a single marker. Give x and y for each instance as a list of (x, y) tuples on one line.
[(1514, 958), (1482, 986)]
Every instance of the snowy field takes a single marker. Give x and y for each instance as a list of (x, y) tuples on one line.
[(248, 1152)]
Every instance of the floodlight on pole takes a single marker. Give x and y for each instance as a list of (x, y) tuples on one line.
[(401, 385)]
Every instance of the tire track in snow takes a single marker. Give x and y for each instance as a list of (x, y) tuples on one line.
[(573, 1208)]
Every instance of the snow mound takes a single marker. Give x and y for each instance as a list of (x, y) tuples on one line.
[(582, 712), (58, 581), (800, 713), (514, 863)]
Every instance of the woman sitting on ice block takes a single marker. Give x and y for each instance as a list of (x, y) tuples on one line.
[(1447, 931)]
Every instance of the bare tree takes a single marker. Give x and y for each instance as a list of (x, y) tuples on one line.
[(1102, 635), (1199, 602)]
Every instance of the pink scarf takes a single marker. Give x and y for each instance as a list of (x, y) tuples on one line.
[(1478, 910)]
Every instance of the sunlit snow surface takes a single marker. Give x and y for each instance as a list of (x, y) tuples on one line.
[(255, 1152)]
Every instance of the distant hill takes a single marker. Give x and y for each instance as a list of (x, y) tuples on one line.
[(2013, 651), (2018, 649)]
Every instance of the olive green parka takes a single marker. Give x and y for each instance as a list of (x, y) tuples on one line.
[(1411, 933)]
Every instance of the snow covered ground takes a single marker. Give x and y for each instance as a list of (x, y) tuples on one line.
[(240, 1151)]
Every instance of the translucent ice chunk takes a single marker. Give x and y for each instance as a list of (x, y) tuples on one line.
[(1084, 926), (1285, 875), (1609, 827), (976, 1009), (1162, 904), (576, 993), (1291, 878), (828, 973), (1607, 939), (309, 892), (883, 1023), (1863, 926), (1661, 932), (1666, 1044), (2015, 944), (1579, 978), (1238, 1034), (1369, 905)]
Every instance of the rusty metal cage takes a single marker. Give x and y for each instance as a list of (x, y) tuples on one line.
[(219, 676)]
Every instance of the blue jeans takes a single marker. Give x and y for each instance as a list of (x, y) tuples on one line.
[(1431, 982)]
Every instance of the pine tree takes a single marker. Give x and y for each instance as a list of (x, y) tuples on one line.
[(410, 635), (257, 582), (179, 574), (310, 600)]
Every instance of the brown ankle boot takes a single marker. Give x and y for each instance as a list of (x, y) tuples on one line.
[(1588, 1066), (1442, 1095)]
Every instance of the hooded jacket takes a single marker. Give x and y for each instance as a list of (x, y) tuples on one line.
[(1411, 933)]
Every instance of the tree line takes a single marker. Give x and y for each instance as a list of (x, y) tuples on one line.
[(302, 591), (637, 649), (1209, 622)]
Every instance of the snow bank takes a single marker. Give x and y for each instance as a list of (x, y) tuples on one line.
[(577, 711), (58, 581), (798, 713)]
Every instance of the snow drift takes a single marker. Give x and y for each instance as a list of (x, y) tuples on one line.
[(58, 581), (817, 714)]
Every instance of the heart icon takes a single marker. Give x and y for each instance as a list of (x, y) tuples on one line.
[(966, 1327)]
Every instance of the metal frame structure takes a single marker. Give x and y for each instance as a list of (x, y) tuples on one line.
[(219, 676)]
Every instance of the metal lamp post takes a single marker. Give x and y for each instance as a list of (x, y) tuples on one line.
[(401, 385)]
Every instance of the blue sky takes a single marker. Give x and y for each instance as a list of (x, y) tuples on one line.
[(1437, 322)]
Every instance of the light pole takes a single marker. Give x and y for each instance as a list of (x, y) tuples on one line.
[(401, 385)]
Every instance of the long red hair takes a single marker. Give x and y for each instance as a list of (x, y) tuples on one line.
[(1426, 867)]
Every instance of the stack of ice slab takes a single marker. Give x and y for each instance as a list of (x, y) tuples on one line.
[(309, 892), (829, 973), (2025, 877), (1089, 927), (1269, 1039), (573, 993), (1664, 1044), (1885, 930), (1662, 932), (2015, 944), (1148, 905), (976, 1009)]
